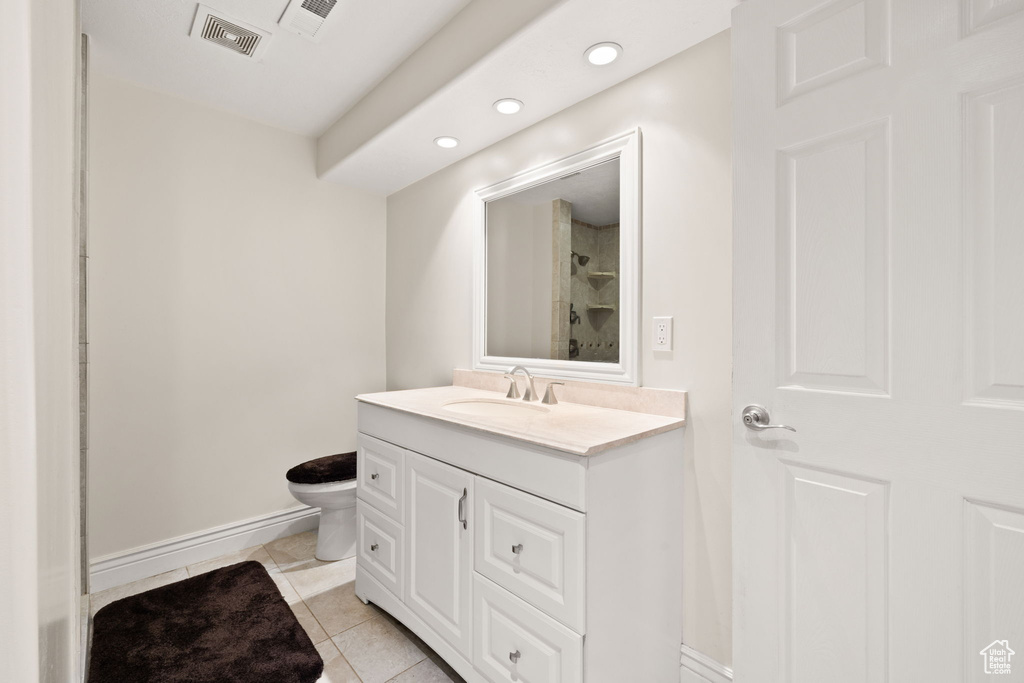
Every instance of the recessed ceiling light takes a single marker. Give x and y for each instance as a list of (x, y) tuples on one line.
[(603, 53), (508, 106), (446, 141)]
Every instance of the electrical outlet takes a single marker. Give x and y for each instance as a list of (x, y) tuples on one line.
[(663, 334)]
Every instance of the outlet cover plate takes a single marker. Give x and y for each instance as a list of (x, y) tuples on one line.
[(662, 330)]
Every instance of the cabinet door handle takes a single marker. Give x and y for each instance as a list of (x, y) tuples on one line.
[(517, 548), (462, 509), (374, 547), (375, 475), (514, 656)]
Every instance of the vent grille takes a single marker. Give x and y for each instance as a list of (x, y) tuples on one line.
[(321, 8), (306, 17), (231, 36), (237, 36)]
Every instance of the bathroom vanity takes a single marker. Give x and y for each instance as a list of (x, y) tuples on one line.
[(526, 542)]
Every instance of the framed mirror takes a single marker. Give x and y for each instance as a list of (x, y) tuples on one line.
[(557, 267)]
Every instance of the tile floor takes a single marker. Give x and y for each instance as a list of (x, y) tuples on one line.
[(359, 643)]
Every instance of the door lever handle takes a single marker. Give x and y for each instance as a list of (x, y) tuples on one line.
[(756, 417)]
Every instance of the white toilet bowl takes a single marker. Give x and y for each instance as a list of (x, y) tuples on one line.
[(336, 538)]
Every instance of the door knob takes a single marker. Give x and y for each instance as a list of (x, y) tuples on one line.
[(757, 418)]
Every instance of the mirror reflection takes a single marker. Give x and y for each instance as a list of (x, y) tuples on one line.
[(552, 269)]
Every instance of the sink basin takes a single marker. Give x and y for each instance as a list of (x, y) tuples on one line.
[(490, 407)]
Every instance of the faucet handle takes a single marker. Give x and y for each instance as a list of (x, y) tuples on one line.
[(549, 393), (513, 388)]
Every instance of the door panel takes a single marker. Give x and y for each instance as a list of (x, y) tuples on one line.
[(831, 42), (982, 12), (832, 252), (835, 535), (878, 271), (440, 550), (995, 261), (994, 539)]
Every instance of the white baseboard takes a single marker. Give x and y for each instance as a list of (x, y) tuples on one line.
[(696, 667), (149, 560)]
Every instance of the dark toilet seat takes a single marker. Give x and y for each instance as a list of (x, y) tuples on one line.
[(326, 470)]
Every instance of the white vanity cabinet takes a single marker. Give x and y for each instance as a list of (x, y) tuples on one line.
[(517, 562)]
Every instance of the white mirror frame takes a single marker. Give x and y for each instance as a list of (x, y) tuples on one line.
[(627, 371)]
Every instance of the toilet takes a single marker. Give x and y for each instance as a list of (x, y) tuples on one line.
[(329, 483)]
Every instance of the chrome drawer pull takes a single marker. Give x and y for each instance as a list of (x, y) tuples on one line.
[(516, 549), (374, 547), (375, 475), (514, 656), (462, 509)]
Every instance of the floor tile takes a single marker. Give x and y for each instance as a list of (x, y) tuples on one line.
[(313, 576), (99, 600), (309, 623), (257, 553), (336, 668), (427, 672), (445, 667), (377, 650), (285, 587), (338, 609), (293, 550), (301, 610)]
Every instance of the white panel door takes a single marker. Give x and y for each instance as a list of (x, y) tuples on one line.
[(879, 310), (439, 555)]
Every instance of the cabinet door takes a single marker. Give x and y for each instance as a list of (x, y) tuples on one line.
[(440, 548)]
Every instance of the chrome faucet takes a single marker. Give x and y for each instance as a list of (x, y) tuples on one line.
[(531, 393)]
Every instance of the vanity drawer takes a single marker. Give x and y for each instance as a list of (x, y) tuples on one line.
[(534, 548), (379, 544), (380, 476), (548, 652)]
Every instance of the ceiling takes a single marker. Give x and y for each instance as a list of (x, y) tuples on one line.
[(542, 65), (298, 85), (388, 77)]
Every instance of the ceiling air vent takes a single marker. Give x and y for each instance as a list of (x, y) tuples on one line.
[(235, 35), (307, 17)]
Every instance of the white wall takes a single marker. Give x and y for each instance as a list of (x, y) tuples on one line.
[(39, 551), (236, 308), (683, 106)]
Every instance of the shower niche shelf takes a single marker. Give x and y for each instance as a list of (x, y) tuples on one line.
[(600, 307), (601, 275)]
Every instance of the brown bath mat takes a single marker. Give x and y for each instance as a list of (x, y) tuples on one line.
[(230, 625)]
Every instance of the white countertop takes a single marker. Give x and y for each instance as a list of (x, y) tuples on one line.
[(570, 427)]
